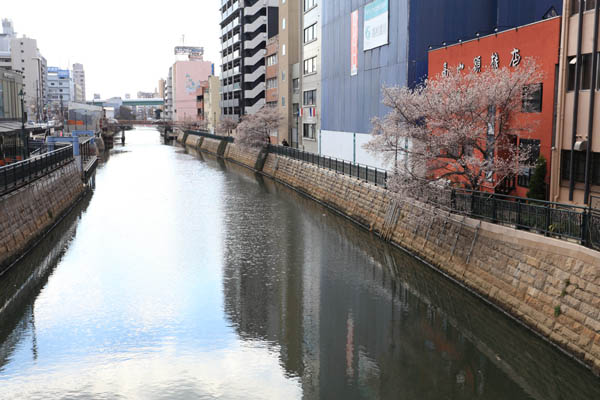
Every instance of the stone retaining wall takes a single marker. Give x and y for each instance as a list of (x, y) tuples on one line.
[(552, 286), (194, 141), (31, 210), (210, 145)]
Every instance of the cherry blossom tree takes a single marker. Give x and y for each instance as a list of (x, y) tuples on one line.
[(457, 129), (255, 129), (226, 126)]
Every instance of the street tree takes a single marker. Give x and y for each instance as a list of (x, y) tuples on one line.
[(255, 129), (226, 126), (457, 129)]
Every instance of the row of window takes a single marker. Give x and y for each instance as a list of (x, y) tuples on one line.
[(588, 5), (308, 4), (271, 60), (310, 65), (272, 83), (579, 166), (310, 33), (585, 74)]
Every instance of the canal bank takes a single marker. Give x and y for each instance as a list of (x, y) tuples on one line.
[(31, 211), (190, 276), (551, 286)]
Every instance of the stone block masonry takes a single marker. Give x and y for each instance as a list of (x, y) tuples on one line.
[(550, 285), (31, 210)]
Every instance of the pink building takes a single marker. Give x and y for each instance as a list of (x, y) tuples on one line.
[(187, 79)]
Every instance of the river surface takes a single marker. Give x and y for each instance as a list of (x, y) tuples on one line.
[(186, 277)]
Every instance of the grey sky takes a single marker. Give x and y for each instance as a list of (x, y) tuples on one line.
[(125, 45)]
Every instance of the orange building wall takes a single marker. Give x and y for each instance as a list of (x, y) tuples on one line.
[(539, 40)]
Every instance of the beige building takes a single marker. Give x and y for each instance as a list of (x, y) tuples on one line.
[(576, 149), (289, 57), (310, 70), (27, 59), (212, 98)]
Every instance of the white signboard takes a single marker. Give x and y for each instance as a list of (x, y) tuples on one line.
[(376, 24)]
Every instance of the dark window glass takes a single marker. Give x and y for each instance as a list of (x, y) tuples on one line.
[(532, 98), (578, 165), (574, 7), (586, 71), (590, 4), (310, 98), (596, 169)]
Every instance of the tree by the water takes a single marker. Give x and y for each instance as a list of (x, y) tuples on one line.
[(459, 129)]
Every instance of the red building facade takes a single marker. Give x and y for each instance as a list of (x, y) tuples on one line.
[(540, 41)]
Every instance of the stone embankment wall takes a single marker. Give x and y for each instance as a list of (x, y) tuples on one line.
[(31, 210), (552, 286)]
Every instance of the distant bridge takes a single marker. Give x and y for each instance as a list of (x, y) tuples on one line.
[(129, 102)]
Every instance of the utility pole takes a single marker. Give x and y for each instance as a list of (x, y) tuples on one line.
[(24, 138)]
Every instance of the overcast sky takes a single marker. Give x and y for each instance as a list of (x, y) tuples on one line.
[(124, 45)]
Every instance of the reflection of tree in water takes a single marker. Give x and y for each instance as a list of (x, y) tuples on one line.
[(20, 286), (356, 318)]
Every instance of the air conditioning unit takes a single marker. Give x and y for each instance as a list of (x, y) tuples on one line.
[(581, 145)]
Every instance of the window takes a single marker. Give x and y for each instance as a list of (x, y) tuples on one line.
[(310, 33), (296, 85), (283, 24), (579, 166), (308, 4), (532, 98), (283, 49), (282, 101), (271, 83), (525, 173), (271, 60), (589, 5), (283, 75), (310, 97), (308, 130), (585, 79), (310, 66)]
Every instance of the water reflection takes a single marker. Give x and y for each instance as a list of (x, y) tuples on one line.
[(189, 277), (355, 318)]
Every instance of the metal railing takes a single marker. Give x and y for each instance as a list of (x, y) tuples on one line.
[(558, 220), (369, 174), (228, 139), (18, 174)]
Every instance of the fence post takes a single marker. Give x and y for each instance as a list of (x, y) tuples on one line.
[(519, 213), (375, 176), (585, 218)]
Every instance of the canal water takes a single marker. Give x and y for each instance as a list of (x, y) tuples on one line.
[(186, 277)]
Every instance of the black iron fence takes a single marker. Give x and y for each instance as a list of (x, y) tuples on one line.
[(18, 174), (364, 172), (210, 135), (558, 220)]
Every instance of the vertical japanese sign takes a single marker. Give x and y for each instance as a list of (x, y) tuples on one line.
[(354, 43), (376, 24)]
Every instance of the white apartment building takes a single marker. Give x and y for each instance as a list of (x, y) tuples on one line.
[(245, 27), (27, 59), (310, 72), (79, 79)]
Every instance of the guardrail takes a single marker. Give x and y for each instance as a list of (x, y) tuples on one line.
[(373, 175), (18, 174), (563, 221), (228, 139)]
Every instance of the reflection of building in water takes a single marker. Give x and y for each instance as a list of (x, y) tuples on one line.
[(20, 286), (354, 318)]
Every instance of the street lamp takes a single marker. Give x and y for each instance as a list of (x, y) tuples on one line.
[(24, 138)]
